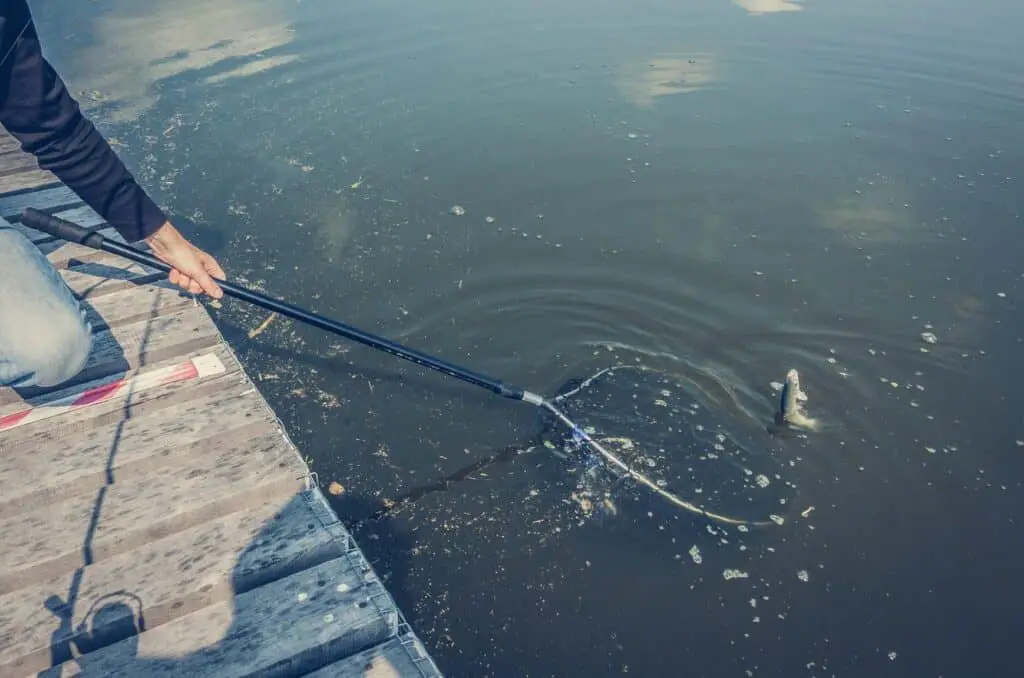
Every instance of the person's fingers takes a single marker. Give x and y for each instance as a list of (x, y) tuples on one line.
[(211, 265), (206, 284), (183, 281), (193, 270)]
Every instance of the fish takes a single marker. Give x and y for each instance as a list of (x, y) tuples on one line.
[(791, 410)]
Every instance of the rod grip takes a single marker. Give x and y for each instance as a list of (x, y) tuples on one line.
[(60, 228)]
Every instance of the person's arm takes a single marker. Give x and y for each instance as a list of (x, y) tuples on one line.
[(37, 110)]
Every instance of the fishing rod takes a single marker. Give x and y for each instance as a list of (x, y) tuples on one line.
[(74, 233)]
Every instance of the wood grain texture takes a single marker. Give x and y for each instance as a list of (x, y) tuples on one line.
[(122, 405), (50, 199), (106, 273), (15, 163), (125, 348), (27, 179), (334, 618), (135, 304), (187, 500), (203, 485), (80, 457), (172, 577), (391, 659), (8, 143)]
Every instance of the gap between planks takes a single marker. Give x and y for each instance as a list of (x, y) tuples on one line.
[(207, 481), (172, 577), (124, 349)]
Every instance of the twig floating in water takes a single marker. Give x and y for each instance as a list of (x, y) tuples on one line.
[(256, 332)]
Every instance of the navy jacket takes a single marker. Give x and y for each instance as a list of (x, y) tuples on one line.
[(37, 110)]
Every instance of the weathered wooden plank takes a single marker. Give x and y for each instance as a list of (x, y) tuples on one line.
[(51, 199), (121, 404), (9, 143), (25, 180), (390, 659), (11, 400), (84, 216), (180, 574), (137, 344), (230, 639), (204, 485), (125, 348), (137, 303), (106, 273), (163, 433), (12, 163)]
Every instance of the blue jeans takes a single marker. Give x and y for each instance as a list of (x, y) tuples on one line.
[(45, 338)]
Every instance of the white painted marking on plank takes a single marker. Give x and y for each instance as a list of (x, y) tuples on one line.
[(199, 367)]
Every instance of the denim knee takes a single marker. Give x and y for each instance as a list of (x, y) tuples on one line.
[(58, 355), (45, 338)]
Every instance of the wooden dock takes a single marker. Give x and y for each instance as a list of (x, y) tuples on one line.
[(155, 518)]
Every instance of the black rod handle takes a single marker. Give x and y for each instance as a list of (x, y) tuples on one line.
[(71, 232), (59, 228)]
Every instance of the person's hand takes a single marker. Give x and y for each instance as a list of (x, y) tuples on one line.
[(192, 269)]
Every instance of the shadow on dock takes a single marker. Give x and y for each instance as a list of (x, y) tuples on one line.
[(266, 619), (300, 598)]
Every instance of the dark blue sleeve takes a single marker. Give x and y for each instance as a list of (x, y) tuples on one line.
[(37, 110)]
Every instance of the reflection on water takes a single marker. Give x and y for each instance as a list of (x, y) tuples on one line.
[(879, 211), (770, 6), (721, 197), (666, 74), (138, 46)]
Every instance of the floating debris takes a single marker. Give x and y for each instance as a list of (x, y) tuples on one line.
[(734, 574), (458, 210), (259, 330), (336, 488), (695, 555), (489, 220), (929, 337), (802, 575)]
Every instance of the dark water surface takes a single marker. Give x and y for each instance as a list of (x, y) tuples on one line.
[(720, 190)]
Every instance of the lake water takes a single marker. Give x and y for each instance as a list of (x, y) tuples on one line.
[(720, 190)]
